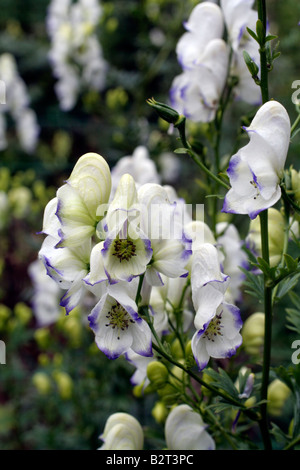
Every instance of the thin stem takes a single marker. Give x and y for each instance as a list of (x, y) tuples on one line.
[(264, 86), (268, 333), (262, 16)]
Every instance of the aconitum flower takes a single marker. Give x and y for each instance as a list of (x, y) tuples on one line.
[(139, 165), (203, 56), (122, 431), (234, 258), (255, 170), (16, 105), (126, 250), (238, 15), (116, 323), (186, 430), (196, 92), (162, 226), (80, 198), (76, 54), (208, 284), (220, 337), (217, 322)]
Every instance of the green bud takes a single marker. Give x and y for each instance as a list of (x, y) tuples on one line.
[(64, 384), (253, 333), (252, 67), (165, 112), (42, 383), (168, 395), (159, 412), (158, 374), (278, 393)]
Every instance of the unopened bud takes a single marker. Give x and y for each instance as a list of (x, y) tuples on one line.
[(165, 112), (158, 374), (278, 393), (42, 383), (253, 333), (159, 412), (252, 67)]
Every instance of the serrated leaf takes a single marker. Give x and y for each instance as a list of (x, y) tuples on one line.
[(254, 283)]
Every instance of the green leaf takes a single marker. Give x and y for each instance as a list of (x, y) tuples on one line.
[(254, 284), (293, 319), (290, 262), (286, 285), (252, 33), (181, 150), (260, 31), (270, 37), (224, 382)]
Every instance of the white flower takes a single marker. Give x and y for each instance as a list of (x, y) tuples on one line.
[(127, 250), (117, 326), (196, 92), (205, 24), (255, 170), (220, 337), (141, 363), (78, 201), (163, 227), (239, 15), (67, 267), (17, 105), (139, 165), (234, 257), (164, 300), (122, 432), (75, 55), (217, 322), (185, 430), (208, 284), (46, 294)]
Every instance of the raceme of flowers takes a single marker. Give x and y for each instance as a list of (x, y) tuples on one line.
[(76, 54), (15, 102), (138, 247), (207, 60)]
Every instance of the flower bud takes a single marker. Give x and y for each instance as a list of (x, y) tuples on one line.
[(158, 374), (42, 337), (122, 432), (23, 312), (159, 412), (253, 333), (278, 393), (64, 384), (164, 111), (42, 383), (276, 235), (168, 395)]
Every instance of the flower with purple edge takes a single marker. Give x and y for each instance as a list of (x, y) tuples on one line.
[(116, 324), (255, 170), (220, 337)]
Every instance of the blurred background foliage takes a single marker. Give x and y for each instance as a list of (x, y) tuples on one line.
[(57, 389)]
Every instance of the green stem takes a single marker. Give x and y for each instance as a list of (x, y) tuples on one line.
[(268, 333), (196, 157), (262, 16), (264, 86)]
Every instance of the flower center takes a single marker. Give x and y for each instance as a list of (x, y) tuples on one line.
[(124, 250), (254, 184), (118, 318), (214, 328)]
